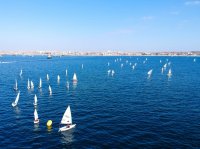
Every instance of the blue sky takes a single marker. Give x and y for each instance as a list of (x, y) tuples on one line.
[(100, 25)]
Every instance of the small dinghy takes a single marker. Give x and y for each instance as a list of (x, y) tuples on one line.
[(47, 77), (28, 85), (35, 100), (36, 120), (74, 78), (150, 72), (40, 84), (32, 85), (15, 87), (169, 73), (16, 100), (67, 121), (50, 90)]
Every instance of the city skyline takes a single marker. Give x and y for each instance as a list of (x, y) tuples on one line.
[(100, 25)]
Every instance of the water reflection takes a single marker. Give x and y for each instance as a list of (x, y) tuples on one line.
[(67, 136), (36, 127), (74, 85), (49, 128), (17, 111)]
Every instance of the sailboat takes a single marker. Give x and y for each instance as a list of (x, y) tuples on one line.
[(40, 84), (75, 78), (32, 85), (112, 72), (50, 90), (47, 77), (58, 78), (35, 100), (16, 100), (15, 87), (162, 70), (28, 84), (150, 72), (67, 85), (36, 120), (67, 120), (20, 73), (169, 73)]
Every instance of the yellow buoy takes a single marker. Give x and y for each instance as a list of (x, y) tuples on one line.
[(49, 123)]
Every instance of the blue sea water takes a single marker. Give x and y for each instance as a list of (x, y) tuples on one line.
[(126, 110)]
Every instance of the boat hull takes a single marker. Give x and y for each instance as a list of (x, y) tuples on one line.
[(14, 104), (36, 121), (65, 128)]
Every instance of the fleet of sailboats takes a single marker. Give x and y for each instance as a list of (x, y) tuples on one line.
[(67, 120), (67, 117)]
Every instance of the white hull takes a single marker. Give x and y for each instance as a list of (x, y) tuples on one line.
[(14, 104), (15, 88), (35, 104), (65, 128), (36, 121)]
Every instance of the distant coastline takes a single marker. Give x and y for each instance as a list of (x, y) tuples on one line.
[(107, 53)]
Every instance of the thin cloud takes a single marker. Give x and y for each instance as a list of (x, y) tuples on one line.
[(146, 18), (121, 31), (175, 13), (194, 2)]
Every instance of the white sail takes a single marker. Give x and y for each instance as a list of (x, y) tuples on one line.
[(35, 100), (40, 84), (47, 77), (16, 100), (15, 88), (67, 85), (165, 66), (150, 72), (169, 72), (66, 72), (74, 77), (35, 115), (67, 117), (28, 84), (50, 90), (112, 72), (32, 85), (20, 73), (58, 78)]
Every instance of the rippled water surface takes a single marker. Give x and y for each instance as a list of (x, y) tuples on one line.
[(126, 110)]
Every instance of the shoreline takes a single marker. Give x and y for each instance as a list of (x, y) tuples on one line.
[(108, 53)]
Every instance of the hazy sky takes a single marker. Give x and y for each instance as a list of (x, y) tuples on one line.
[(89, 25)]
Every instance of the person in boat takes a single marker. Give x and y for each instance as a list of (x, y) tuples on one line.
[(68, 125)]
